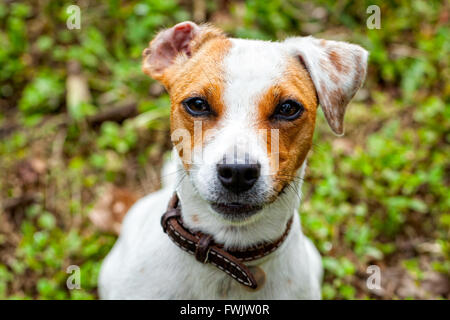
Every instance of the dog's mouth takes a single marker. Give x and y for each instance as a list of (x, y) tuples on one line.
[(236, 210), (239, 211)]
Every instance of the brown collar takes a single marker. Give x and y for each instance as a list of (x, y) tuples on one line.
[(205, 250)]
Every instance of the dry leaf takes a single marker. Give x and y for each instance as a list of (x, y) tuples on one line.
[(111, 208)]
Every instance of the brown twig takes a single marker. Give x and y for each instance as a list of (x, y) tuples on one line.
[(13, 203), (116, 114)]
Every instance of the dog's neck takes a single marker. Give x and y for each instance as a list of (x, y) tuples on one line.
[(264, 226)]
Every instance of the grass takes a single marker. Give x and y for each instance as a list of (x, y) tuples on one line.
[(377, 196)]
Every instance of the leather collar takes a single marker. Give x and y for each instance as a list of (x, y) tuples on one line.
[(202, 246)]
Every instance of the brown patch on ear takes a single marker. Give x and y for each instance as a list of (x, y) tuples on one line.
[(336, 62), (323, 87), (337, 98), (334, 77), (359, 75)]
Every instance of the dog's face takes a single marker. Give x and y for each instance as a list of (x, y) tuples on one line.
[(243, 111)]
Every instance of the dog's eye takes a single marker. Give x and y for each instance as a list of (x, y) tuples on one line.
[(288, 110), (197, 106)]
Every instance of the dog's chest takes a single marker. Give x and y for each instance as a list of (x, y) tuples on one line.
[(164, 271), (146, 264), (187, 279)]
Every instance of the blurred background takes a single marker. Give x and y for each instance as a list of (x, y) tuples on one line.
[(83, 133)]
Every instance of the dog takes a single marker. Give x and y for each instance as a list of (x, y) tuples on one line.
[(229, 200)]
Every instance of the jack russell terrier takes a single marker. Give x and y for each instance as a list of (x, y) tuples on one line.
[(228, 227)]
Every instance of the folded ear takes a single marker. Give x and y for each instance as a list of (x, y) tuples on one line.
[(337, 70), (182, 39)]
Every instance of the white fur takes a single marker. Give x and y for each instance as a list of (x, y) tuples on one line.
[(145, 264)]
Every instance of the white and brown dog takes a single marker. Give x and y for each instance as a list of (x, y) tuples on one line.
[(235, 89)]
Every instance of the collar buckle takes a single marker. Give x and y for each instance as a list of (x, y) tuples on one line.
[(203, 248)]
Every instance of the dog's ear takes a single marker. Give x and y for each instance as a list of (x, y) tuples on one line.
[(337, 70), (182, 40)]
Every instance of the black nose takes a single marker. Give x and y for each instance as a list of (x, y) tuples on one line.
[(238, 177)]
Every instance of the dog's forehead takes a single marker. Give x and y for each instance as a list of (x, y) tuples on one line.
[(254, 59), (251, 67), (253, 64)]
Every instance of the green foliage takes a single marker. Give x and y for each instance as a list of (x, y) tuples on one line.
[(121, 139), (384, 183), (43, 94), (46, 251)]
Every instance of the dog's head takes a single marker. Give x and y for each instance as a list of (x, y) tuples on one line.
[(243, 111)]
